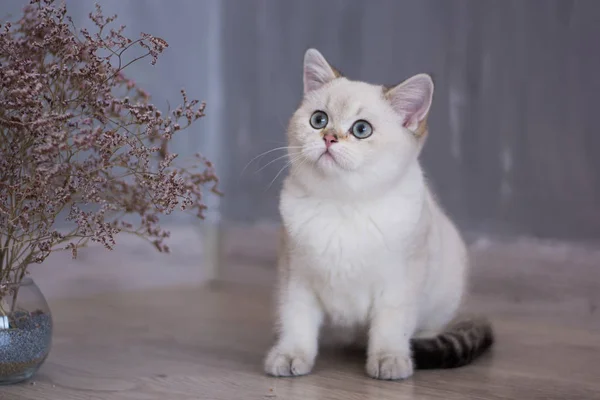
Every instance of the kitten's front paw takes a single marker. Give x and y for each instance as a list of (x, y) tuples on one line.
[(389, 366), (282, 363)]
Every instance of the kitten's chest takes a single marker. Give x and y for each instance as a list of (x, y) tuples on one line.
[(344, 250), (342, 234), (345, 300)]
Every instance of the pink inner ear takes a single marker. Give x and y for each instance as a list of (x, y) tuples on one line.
[(314, 79), (412, 99), (412, 114), (317, 71), (412, 119)]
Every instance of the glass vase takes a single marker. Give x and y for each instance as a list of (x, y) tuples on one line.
[(25, 331)]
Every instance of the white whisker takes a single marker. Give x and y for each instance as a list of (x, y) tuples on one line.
[(271, 162), (299, 156), (267, 152)]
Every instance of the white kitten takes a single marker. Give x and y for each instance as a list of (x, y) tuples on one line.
[(365, 246)]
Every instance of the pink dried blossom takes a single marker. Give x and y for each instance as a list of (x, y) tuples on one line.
[(79, 139)]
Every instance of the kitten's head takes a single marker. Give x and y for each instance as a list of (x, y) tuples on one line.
[(352, 132)]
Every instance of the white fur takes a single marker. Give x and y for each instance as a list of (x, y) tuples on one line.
[(365, 247)]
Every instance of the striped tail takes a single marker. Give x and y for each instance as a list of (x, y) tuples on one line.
[(459, 345)]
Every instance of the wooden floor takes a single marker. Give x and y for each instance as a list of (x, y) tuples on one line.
[(193, 342)]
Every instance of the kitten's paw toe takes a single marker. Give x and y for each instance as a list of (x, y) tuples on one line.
[(281, 363), (389, 366)]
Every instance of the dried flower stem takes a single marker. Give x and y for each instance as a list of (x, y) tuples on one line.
[(81, 142)]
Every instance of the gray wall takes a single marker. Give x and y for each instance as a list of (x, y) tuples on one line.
[(513, 148)]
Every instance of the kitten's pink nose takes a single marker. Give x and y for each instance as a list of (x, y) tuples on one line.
[(329, 140)]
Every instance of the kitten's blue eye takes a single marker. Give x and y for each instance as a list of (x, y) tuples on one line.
[(361, 129), (319, 120)]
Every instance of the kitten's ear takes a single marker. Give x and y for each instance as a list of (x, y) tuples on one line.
[(412, 99), (317, 71)]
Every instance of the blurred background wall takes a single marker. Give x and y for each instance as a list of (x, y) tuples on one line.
[(514, 148)]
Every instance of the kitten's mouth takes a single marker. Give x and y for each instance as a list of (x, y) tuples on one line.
[(326, 155), (327, 159)]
